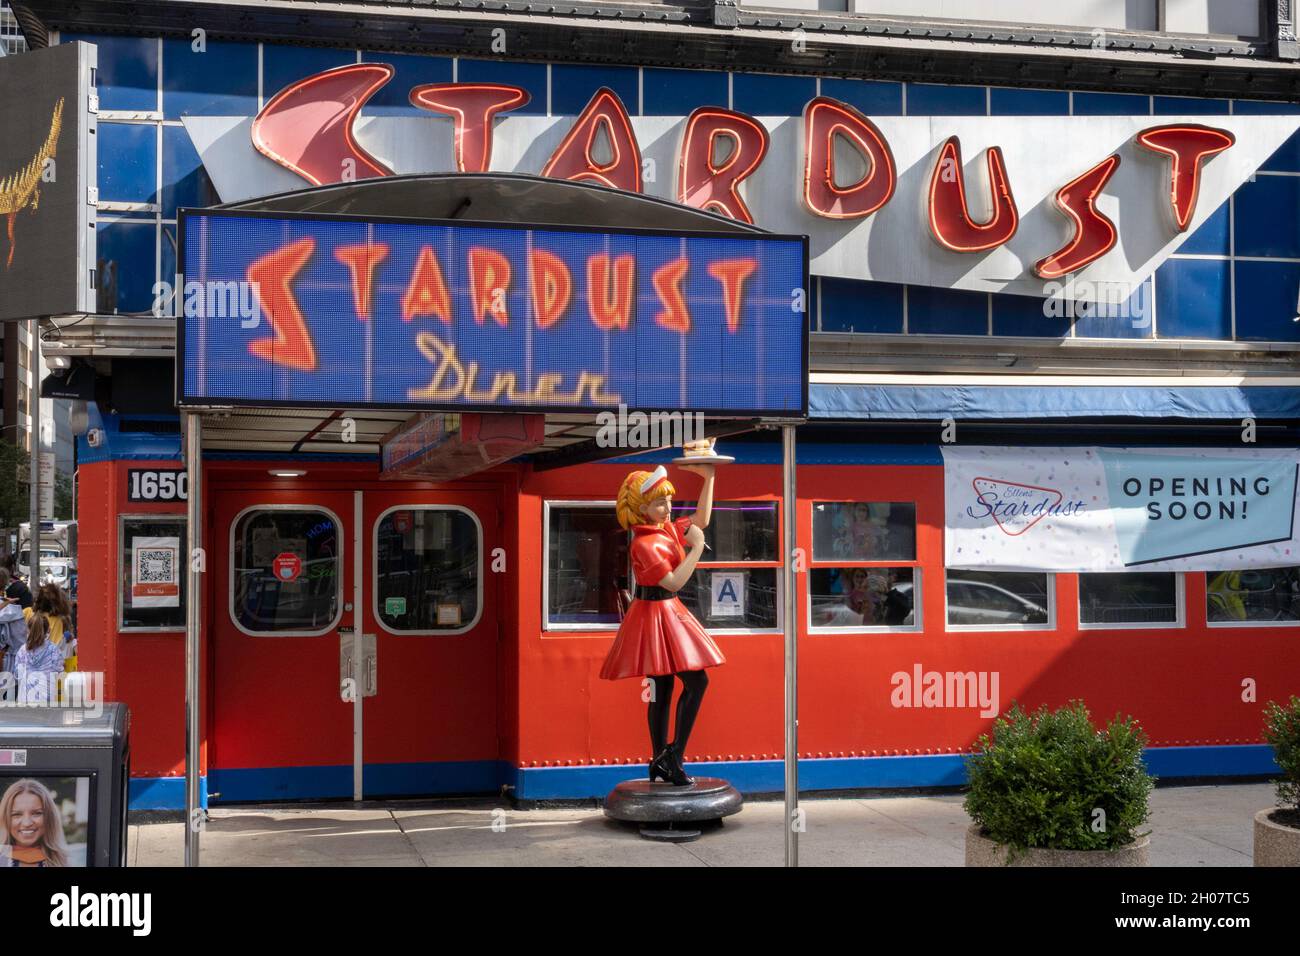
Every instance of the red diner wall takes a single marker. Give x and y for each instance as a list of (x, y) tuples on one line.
[(146, 671), (1183, 684)]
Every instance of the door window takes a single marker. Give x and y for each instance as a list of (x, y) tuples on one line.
[(428, 570), (286, 571)]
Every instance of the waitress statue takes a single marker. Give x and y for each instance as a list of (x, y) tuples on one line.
[(659, 637)]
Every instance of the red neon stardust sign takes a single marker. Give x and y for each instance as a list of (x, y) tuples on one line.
[(472, 107), (711, 186), (950, 219), (1187, 147), (823, 120), (308, 128), (1094, 234)]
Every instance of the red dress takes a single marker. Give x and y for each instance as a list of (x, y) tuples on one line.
[(659, 637)]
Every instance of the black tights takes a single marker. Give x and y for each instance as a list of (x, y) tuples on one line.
[(694, 683)]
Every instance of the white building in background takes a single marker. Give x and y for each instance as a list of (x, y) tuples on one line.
[(11, 38)]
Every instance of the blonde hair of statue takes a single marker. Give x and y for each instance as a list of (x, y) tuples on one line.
[(631, 501)]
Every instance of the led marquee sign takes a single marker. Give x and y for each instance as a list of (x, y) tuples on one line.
[(344, 312)]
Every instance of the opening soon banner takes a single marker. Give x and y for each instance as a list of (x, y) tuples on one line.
[(1117, 509)]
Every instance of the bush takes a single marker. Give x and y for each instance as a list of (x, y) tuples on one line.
[(1041, 779), (1282, 731)]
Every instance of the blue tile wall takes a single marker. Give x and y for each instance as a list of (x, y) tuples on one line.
[(1132, 319), (1287, 157), (678, 92), (871, 97), (411, 71), (127, 75), (282, 65), (1211, 238), (125, 256), (1008, 102), (761, 94), (932, 311), (1111, 104), (221, 81), (1261, 228), (573, 86), (1192, 300), (1189, 106), (128, 162), (1025, 315), (528, 76), (928, 99), (852, 306), (1267, 295)]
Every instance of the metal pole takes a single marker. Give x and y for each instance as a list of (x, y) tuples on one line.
[(34, 420), (791, 650), (193, 604)]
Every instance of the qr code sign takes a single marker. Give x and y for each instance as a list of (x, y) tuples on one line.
[(156, 566)]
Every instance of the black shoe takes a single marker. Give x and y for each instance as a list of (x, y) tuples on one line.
[(662, 766), (679, 777)]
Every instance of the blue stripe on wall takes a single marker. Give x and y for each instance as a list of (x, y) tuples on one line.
[(256, 784), (873, 773), (578, 783), (162, 793)]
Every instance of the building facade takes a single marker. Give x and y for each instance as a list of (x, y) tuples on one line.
[(925, 333)]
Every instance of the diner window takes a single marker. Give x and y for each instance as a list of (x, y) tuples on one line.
[(864, 531), (1130, 599), (428, 570), (861, 598), (586, 565), (999, 600), (734, 587), (152, 565), (286, 571), (863, 575), (1254, 596)]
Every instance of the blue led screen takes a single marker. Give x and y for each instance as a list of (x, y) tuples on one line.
[(347, 312)]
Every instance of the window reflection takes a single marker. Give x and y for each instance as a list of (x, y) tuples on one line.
[(428, 570), (864, 530), (587, 565), (997, 598), (306, 600), (1258, 594), (1128, 598), (863, 597)]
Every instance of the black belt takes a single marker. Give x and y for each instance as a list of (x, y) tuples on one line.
[(653, 592)]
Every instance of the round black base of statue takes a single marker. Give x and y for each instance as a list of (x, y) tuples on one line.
[(669, 813)]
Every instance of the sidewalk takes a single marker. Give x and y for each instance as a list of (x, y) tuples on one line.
[(1190, 826)]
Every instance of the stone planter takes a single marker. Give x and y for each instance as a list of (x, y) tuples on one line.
[(1276, 844), (981, 851)]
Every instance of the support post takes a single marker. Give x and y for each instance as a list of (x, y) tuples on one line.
[(35, 445), (788, 579), (194, 813)]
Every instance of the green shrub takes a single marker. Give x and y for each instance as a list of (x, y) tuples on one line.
[(1282, 731), (1041, 778)]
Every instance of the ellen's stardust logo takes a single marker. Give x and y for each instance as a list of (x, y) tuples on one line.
[(1017, 507)]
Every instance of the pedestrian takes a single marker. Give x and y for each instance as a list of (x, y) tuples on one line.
[(38, 663), (14, 590), (53, 603)]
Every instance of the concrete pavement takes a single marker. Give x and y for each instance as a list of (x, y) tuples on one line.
[(1190, 826)]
